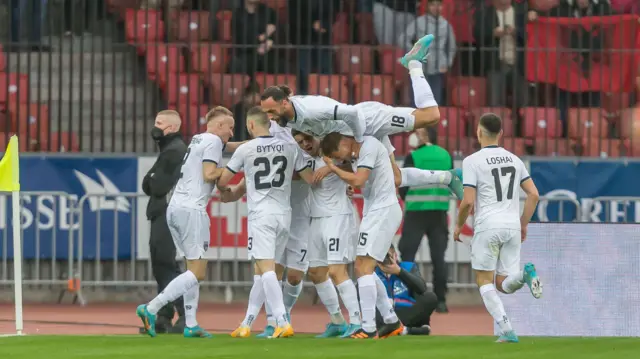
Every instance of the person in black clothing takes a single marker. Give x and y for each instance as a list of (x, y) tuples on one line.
[(412, 302), (157, 184)]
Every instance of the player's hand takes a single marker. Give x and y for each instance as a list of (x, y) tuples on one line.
[(320, 174), (329, 162), (523, 233), (350, 192), (391, 268), (456, 235)]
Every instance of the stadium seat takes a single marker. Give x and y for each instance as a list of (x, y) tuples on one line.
[(541, 122), (469, 92), (14, 88), (192, 26), (613, 103), (25, 146), (373, 88), (354, 59), (515, 145), (225, 32), (459, 146), (163, 59), (120, 7), (143, 27), (29, 120), (587, 122), (389, 64), (208, 58), (453, 122), (605, 148), (334, 86), (460, 14), (62, 142), (266, 80), (226, 89), (554, 147), (183, 88), (193, 118), (401, 143), (365, 28), (508, 125), (3, 62), (340, 29)]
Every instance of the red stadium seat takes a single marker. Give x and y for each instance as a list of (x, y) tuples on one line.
[(193, 118), (209, 58), (605, 148), (14, 88), (354, 59), (365, 28), (508, 125), (266, 80), (541, 122), (469, 92), (226, 89), (389, 64), (587, 122), (554, 147), (334, 86), (373, 88), (340, 30), (143, 27), (225, 32), (192, 26), (459, 146), (460, 14), (183, 89), (165, 59), (29, 120), (453, 122), (24, 146), (515, 145), (62, 142), (400, 142), (613, 103)]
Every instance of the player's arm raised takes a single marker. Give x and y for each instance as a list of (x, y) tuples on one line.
[(469, 197)]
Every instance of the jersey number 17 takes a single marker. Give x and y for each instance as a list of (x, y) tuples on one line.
[(503, 171)]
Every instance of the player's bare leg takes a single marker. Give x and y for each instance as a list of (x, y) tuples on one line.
[(273, 293), (349, 294), (329, 297), (187, 285), (494, 305)]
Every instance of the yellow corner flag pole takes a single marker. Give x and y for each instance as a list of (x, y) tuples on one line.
[(10, 182)]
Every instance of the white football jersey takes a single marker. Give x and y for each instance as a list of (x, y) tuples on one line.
[(319, 115), (329, 197), (192, 191), (379, 190), (268, 164), (496, 174)]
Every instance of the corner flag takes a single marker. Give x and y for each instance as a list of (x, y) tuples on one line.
[(10, 182)]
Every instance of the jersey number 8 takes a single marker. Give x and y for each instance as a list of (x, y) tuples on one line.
[(280, 165)]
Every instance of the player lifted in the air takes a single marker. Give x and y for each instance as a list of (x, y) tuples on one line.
[(189, 222), (381, 219), (493, 177), (317, 116), (268, 164), (332, 241)]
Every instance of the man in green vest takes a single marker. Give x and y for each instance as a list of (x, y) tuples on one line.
[(426, 212)]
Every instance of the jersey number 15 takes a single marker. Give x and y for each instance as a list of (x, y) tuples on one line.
[(280, 165), (503, 171)]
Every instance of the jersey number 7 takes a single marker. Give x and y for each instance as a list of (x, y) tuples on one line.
[(504, 171)]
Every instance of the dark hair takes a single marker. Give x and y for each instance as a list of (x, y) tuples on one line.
[(330, 143), (252, 87), (258, 115), (491, 122), (295, 133), (278, 93)]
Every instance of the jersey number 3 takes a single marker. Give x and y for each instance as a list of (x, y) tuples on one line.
[(504, 171), (280, 165)]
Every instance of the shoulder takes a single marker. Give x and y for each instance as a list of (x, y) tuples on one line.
[(471, 159)]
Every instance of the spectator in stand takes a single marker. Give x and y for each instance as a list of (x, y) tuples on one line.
[(310, 24), (626, 6), (167, 7), (254, 29), (391, 18), (251, 98), (499, 31), (443, 50), (37, 10)]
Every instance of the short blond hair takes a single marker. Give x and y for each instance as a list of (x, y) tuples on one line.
[(217, 112), (168, 113)]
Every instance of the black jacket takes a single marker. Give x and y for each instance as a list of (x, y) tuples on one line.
[(164, 174)]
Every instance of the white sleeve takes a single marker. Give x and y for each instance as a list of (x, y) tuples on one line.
[(367, 156), (236, 163), (351, 116), (469, 176), (213, 150), (301, 161), (524, 173)]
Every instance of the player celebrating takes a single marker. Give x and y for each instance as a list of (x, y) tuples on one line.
[(489, 187), (188, 220), (269, 163), (381, 219), (332, 242)]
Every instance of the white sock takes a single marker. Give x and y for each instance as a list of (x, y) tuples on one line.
[(384, 304), (290, 294), (256, 299), (174, 290), (368, 297), (349, 296), (494, 306), (414, 177), (191, 299), (513, 283), (271, 321), (422, 94), (273, 293), (329, 297)]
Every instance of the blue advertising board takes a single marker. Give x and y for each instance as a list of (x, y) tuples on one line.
[(108, 222), (584, 182)]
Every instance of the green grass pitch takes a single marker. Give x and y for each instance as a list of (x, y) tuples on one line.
[(304, 346)]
